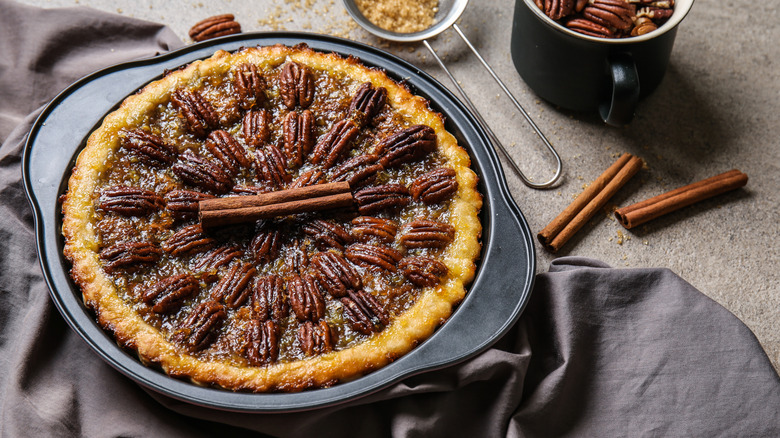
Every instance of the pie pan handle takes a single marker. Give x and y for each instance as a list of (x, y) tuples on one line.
[(494, 301)]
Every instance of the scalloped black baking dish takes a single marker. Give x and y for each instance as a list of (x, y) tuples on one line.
[(495, 299)]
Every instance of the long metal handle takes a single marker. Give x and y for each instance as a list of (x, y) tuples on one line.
[(484, 124)]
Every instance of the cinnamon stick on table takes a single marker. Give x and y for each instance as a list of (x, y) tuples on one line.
[(590, 201), (239, 209), (668, 202)]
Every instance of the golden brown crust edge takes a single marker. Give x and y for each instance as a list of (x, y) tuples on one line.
[(416, 324)]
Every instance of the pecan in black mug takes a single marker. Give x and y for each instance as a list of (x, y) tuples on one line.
[(586, 73)]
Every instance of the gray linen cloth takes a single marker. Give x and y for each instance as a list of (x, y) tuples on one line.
[(598, 351)]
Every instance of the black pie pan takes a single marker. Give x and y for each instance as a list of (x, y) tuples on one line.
[(494, 301)]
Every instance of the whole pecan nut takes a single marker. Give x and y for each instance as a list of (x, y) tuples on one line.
[(610, 13), (372, 200), (422, 271), (266, 244), (183, 204), (217, 257), (129, 256), (315, 338), (188, 240), (434, 186), (364, 312), (226, 149), (327, 234), (235, 287), (255, 126), (148, 148), (335, 274), (335, 144), (201, 328), (587, 27), (297, 258), (250, 86), (198, 172), (367, 103), (358, 170), (296, 85), (213, 27), (129, 201), (262, 342), (366, 228), (272, 167), (199, 115), (169, 293), (306, 300), (556, 9), (379, 256), (407, 145), (425, 233), (269, 300), (298, 136)]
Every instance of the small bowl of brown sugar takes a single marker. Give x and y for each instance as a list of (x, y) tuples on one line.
[(405, 20)]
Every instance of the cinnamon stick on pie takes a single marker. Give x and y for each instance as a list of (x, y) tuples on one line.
[(668, 202), (563, 227)]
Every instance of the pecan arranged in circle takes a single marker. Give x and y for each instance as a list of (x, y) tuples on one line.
[(296, 85), (198, 172), (262, 342), (372, 200), (235, 287), (148, 148), (363, 311), (335, 144), (201, 328), (217, 257), (422, 271), (425, 233), (169, 293), (365, 228), (255, 126), (199, 115), (297, 258), (435, 186), (308, 178), (327, 234), (315, 338), (298, 136), (183, 204), (358, 170), (269, 300), (410, 144), (367, 103), (265, 245), (556, 9), (335, 274), (610, 13), (380, 256), (129, 256), (306, 300), (189, 239), (213, 27), (226, 149), (250, 86), (272, 167), (129, 201)]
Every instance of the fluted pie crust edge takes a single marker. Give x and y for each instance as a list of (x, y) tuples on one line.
[(433, 307)]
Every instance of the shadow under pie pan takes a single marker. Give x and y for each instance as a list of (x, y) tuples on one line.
[(494, 301)]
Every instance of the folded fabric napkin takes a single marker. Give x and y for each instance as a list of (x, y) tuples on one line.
[(597, 352)]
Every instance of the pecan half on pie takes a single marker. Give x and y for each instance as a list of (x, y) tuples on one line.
[(290, 303)]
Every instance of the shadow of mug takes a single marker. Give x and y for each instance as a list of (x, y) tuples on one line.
[(585, 73)]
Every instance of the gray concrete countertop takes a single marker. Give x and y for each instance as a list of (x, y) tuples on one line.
[(716, 109)]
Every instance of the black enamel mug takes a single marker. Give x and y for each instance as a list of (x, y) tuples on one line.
[(585, 73)]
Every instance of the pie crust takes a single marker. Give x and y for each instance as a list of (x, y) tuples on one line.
[(114, 296)]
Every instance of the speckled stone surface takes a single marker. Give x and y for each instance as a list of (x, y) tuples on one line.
[(716, 109)]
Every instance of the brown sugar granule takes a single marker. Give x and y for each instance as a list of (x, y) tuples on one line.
[(402, 16)]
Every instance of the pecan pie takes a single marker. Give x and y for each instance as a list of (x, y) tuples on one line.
[(290, 303)]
